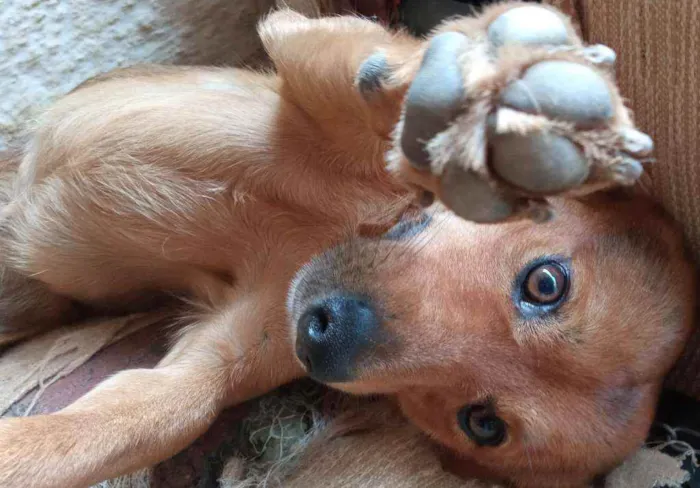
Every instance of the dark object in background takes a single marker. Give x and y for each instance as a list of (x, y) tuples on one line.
[(421, 16)]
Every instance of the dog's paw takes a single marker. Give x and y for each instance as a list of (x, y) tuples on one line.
[(506, 109)]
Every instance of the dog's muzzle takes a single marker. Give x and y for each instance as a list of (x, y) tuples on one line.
[(332, 333)]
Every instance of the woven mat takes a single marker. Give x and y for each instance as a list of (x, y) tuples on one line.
[(34, 365)]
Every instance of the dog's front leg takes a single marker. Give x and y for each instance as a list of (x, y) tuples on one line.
[(318, 61), (506, 110), (140, 417), (493, 114)]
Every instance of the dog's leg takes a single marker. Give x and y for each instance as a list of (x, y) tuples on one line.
[(140, 417), (27, 306), (492, 114), (318, 61), (103, 236), (506, 109)]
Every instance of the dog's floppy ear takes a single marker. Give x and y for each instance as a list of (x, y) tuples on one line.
[(295, 42), (317, 60), (279, 26)]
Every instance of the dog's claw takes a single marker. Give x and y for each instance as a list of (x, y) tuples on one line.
[(434, 97), (636, 143), (562, 90), (538, 162), (528, 25), (371, 74), (600, 54), (627, 171)]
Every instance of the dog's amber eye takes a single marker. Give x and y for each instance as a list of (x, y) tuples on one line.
[(546, 283), (482, 425)]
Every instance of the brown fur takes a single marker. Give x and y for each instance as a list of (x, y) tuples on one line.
[(220, 184)]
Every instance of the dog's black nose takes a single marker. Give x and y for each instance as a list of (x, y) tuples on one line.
[(332, 333)]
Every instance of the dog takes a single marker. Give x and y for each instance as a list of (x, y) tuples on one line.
[(418, 218)]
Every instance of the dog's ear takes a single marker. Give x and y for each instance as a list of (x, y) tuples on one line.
[(296, 42), (280, 25), (284, 32), (317, 60)]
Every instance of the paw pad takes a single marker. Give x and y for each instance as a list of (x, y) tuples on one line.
[(434, 97), (528, 25), (539, 163), (474, 198), (562, 90), (371, 74)]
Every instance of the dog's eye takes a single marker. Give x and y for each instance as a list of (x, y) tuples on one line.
[(545, 284), (482, 425)]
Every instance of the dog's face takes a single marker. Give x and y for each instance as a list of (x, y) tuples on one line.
[(535, 351)]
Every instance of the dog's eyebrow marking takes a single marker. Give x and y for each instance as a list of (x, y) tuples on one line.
[(408, 228)]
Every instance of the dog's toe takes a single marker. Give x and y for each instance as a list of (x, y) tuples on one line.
[(542, 161), (529, 25), (538, 162), (626, 171), (636, 143), (474, 198), (434, 97)]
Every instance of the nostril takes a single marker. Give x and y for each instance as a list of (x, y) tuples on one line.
[(319, 321)]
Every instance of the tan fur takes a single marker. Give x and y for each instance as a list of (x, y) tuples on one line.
[(373, 452), (220, 184)]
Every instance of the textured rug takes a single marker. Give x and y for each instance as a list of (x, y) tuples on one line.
[(50, 46)]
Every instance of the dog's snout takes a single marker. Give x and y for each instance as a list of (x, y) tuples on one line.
[(332, 332)]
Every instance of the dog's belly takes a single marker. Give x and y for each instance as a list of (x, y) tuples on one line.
[(172, 184)]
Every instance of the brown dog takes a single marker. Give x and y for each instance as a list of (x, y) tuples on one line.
[(533, 352)]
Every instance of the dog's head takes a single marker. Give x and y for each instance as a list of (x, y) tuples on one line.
[(534, 351)]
